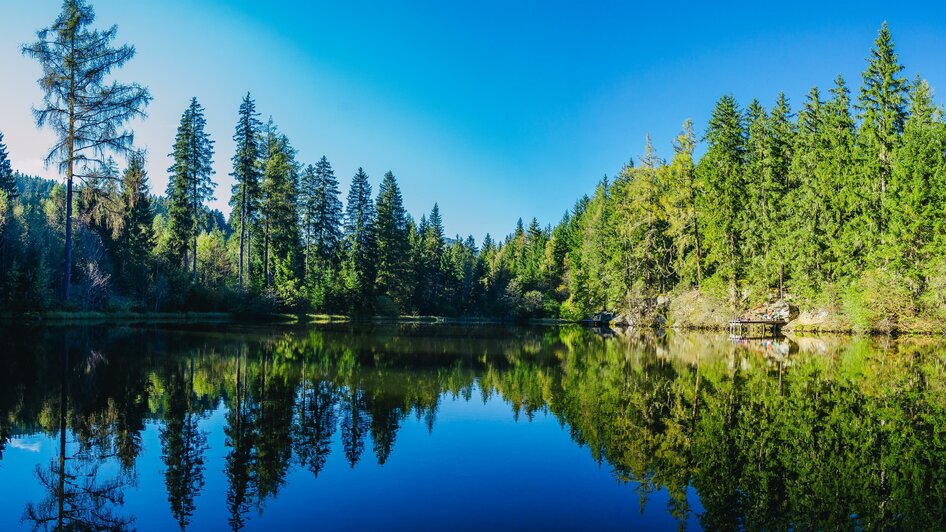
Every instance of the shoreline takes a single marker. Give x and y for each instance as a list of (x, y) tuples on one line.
[(66, 318)]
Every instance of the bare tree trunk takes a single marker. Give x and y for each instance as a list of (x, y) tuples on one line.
[(67, 276), (699, 259), (196, 229), (266, 253), (242, 229)]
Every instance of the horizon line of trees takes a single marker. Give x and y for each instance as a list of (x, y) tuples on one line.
[(839, 205)]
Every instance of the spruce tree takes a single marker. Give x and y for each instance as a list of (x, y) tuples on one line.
[(918, 178), (680, 204), (86, 111), (882, 107), (809, 214), (190, 185), (392, 240), (755, 216), (721, 176), (360, 236), (322, 215), (851, 222), (247, 174), (7, 178), (431, 280), (279, 211), (779, 184), (136, 233)]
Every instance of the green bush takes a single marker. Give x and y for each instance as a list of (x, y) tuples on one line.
[(879, 300)]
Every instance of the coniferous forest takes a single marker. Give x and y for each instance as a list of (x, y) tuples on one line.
[(835, 203)]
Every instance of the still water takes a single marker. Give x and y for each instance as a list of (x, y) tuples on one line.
[(436, 427)]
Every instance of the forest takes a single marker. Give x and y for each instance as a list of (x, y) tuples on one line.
[(836, 205)]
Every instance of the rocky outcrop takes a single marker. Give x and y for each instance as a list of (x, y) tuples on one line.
[(775, 310)]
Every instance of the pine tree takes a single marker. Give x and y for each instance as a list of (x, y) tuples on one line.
[(136, 233), (432, 274), (721, 176), (779, 184), (85, 111), (190, 185), (360, 236), (850, 222), (7, 178), (321, 216), (882, 111), (392, 240), (809, 215), (755, 218), (247, 174), (279, 210), (917, 179), (680, 204)]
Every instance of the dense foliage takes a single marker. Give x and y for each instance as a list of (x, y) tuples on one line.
[(839, 206)]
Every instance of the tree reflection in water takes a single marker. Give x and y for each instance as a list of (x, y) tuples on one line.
[(77, 497), (818, 433)]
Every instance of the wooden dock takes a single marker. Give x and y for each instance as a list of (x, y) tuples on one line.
[(742, 327)]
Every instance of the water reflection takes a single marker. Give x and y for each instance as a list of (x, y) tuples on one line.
[(787, 433)]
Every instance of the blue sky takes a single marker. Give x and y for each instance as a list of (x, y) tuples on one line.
[(495, 110)]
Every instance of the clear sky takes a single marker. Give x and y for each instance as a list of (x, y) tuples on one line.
[(494, 109)]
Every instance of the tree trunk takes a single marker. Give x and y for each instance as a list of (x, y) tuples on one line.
[(196, 230), (266, 253), (67, 276), (699, 260), (70, 142), (242, 229)]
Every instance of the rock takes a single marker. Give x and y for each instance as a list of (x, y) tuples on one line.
[(777, 310), (621, 320)]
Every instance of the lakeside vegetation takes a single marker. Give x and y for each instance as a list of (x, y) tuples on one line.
[(838, 206)]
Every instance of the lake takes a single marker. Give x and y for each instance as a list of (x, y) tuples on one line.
[(434, 427)]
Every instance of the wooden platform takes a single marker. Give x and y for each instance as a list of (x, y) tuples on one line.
[(740, 327)]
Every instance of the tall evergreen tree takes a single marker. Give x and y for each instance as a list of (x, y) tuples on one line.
[(360, 236), (136, 233), (809, 216), (721, 175), (431, 275), (86, 112), (279, 209), (248, 176), (190, 185), (321, 216), (680, 204), (7, 179), (392, 239), (882, 107), (918, 179)]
